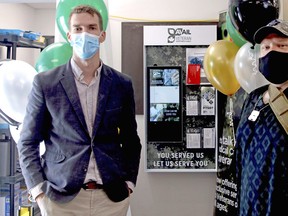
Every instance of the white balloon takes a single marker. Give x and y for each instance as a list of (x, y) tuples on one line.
[(246, 68), (16, 78), (15, 133)]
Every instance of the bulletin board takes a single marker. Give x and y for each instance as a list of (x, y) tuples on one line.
[(180, 116)]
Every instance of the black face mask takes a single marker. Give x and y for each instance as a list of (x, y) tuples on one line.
[(274, 67)]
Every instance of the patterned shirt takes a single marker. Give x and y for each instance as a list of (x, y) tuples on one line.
[(261, 160)]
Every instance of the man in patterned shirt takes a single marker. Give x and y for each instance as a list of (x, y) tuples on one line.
[(261, 137)]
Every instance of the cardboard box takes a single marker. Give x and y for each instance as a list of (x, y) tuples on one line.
[(5, 199), (17, 32), (5, 205), (5, 148)]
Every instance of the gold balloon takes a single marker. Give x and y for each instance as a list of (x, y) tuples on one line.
[(219, 66)]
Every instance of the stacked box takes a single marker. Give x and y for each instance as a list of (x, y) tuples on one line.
[(5, 200), (17, 32)]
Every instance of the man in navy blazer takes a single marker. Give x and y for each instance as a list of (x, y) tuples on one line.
[(84, 112)]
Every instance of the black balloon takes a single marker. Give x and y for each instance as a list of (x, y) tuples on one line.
[(247, 16)]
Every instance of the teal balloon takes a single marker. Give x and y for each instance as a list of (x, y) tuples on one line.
[(236, 37), (65, 7), (54, 55)]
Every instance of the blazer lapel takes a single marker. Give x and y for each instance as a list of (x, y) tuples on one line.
[(104, 87), (70, 88)]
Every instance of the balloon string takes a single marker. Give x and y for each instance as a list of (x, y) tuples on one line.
[(9, 120), (252, 55), (230, 118)]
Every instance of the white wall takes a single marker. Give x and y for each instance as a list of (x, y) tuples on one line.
[(18, 16), (45, 24), (160, 10), (156, 194), (26, 18)]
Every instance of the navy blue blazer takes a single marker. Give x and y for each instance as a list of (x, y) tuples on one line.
[(54, 115)]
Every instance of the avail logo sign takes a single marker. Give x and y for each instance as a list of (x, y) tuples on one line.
[(179, 35)]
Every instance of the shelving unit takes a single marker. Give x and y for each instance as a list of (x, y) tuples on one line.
[(12, 42), (12, 176)]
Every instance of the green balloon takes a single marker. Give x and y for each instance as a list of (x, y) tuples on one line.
[(224, 32), (65, 7), (236, 37), (54, 55)]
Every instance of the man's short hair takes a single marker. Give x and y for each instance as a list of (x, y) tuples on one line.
[(86, 9)]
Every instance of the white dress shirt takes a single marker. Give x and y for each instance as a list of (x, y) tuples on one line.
[(88, 94)]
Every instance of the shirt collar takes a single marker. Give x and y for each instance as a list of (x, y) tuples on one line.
[(78, 73)]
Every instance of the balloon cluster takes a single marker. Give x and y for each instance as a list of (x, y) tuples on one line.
[(230, 65), (59, 53), (248, 16)]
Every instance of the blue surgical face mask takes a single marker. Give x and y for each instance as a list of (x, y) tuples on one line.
[(84, 44)]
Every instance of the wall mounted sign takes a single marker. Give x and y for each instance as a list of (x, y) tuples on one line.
[(180, 103)]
